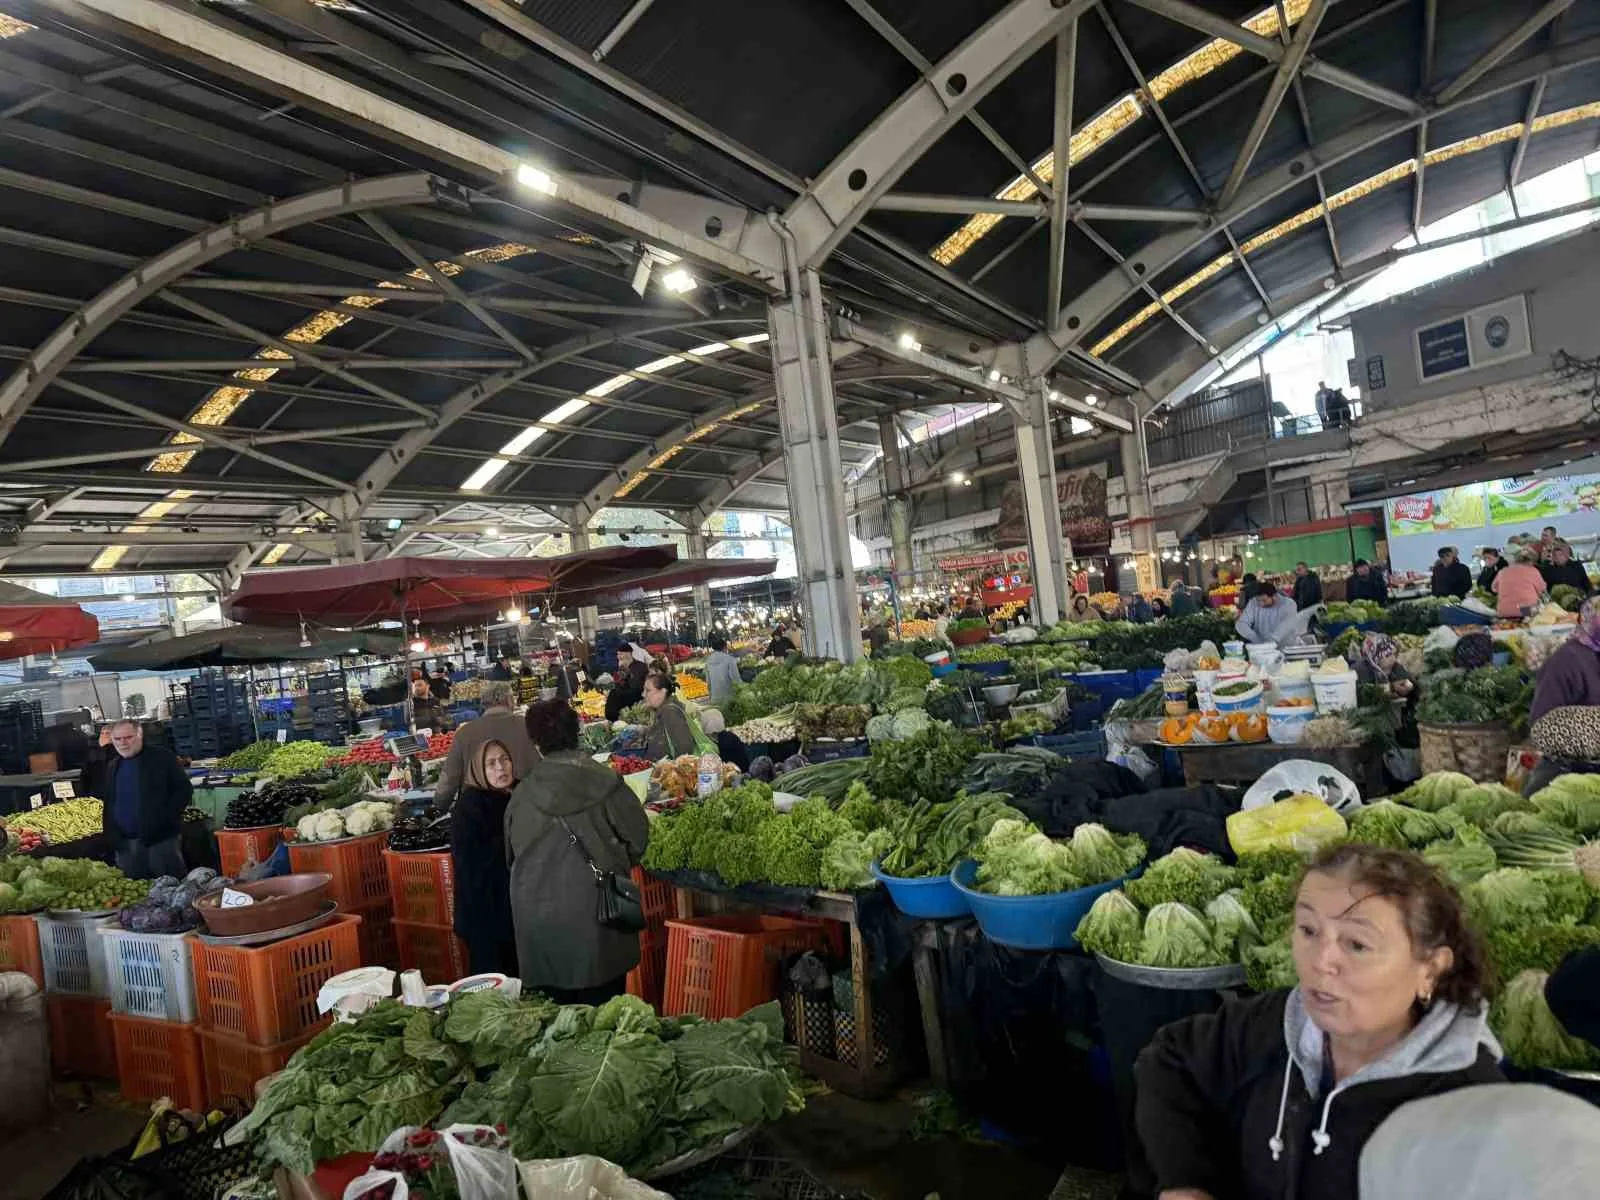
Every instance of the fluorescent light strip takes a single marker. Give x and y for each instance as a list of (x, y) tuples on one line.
[(1356, 191)]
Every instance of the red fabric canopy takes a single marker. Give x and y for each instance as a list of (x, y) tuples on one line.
[(685, 572), (33, 623), (432, 589)]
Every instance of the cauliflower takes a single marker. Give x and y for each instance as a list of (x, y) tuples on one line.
[(306, 828), (326, 826), (359, 822)]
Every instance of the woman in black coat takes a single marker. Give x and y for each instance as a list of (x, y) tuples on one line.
[(483, 880)]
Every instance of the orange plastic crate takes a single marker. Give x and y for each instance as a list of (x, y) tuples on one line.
[(379, 946), (159, 1058), (19, 947), (645, 981), (268, 994), (719, 967), (423, 886), (82, 1042), (360, 879), (233, 1068), (435, 950), (655, 896), (239, 847)]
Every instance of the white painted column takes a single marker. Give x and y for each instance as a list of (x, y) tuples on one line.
[(696, 541), (803, 371), (1036, 462), (898, 503), (589, 614)]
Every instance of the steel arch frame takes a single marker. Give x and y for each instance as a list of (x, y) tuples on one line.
[(36, 372)]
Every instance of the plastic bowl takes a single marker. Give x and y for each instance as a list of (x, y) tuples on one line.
[(932, 899), (1001, 693), (1243, 702), (1029, 922), (279, 902)]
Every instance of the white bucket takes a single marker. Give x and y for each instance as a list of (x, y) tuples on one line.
[(1293, 689), (938, 658), (1204, 681), (1334, 692), (1286, 725), (1265, 655)]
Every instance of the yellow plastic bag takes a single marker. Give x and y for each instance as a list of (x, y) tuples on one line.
[(1301, 822)]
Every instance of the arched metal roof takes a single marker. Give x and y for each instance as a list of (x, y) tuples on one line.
[(243, 300)]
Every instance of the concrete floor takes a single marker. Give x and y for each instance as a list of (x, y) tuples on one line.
[(85, 1120)]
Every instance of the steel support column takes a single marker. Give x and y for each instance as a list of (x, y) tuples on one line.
[(696, 542), (589, 614), (1136, 479), (1036, 462), (808, 427), (898, 502)]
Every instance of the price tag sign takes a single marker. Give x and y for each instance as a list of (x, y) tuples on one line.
[(233, 899), (283, 736), (62, 789), (36, 800)]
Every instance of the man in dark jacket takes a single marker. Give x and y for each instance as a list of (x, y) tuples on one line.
[(1493, 564), (1451, 577), (147, 793), (1183, 603), (1307, 587), (1559, 568), (1367, 583)]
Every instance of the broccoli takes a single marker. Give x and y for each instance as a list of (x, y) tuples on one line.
[(786, 856)]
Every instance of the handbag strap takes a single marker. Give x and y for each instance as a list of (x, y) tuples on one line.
[(572, 836)]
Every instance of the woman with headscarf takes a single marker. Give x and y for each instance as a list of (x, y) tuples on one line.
[(1566, 704), (1081, 610), (478, 845), (1380, 664), (669, 733)]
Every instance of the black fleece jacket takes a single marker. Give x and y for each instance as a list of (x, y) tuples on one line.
[(1209, 1090)]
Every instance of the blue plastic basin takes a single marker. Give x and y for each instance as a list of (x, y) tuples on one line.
[(1028, 922), (933, 899), (991, 669)]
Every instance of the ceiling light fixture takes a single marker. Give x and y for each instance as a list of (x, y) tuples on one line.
[(537, 178), (908, 341), (994, 375), (1091, 399), (419, 646), (679, 282), (513, 613), (491, 531)]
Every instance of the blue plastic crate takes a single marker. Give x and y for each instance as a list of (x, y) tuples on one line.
[(1089, 744), (1148, 677), (1110, 685), (1086, 714), (991, 669), (821, 752)]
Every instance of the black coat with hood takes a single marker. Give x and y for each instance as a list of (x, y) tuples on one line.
[(1234, 1103)]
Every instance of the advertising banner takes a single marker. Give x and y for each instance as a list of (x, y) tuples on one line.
[(1519, 501), (1437, 512), (1081, 498)]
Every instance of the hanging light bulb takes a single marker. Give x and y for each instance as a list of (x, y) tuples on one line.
[(513, 613)]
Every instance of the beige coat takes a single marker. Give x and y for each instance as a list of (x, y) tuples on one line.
[(495, 725)]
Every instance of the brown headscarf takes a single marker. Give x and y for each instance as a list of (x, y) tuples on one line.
[(478, 774)]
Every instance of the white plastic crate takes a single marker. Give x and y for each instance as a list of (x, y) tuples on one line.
[(74, 959), (149, 974)]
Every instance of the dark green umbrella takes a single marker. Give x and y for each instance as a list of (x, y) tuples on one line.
[(241, 645)]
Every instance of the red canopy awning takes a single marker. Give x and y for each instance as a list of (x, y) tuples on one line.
[(685, 572), (430, 589), (33, 623)]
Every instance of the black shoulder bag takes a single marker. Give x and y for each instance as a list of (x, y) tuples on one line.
[(617, 903)]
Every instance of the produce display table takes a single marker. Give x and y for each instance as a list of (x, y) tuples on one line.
[(868, 1077), (1245, 763), (15, 789), (214, 801)]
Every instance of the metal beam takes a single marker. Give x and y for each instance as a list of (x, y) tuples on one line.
[(620, 30), (1491, 58), (1217, 26), (157, 366), (958, 205), (1094, 303), (1530, 114), (1276, 90), (191, 31), (917, 59), (250, 437), (1066, 72), (844, 192), (1430, 34), (97, 315)]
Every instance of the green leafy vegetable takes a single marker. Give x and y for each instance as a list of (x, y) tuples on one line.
[(1185, 876), (1572, 801), (1175, 935), (1529, 1031), (1113, 926)]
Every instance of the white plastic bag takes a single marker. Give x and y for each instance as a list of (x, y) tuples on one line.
[(582, 1178), (1137, 761), (482, 1172), (1304, 775)]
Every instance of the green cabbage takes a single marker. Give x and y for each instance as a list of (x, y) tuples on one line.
[(1529, 1031), (1435, 790), (1113, 927), (1015, 859), (1175, 935), (1232, 926), (1185, 876), (1102, 855), (1572, 801)]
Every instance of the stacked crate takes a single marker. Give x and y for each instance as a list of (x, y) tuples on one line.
[(327, 707), (422, 886), (360, 886), (153, 1009), (211, 717), (647, 980), (21, 728), (257, 1005), (72, 968)]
